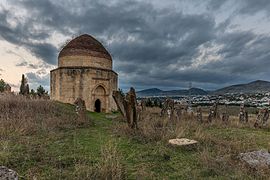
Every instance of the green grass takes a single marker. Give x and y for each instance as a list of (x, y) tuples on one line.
[(67, 153)]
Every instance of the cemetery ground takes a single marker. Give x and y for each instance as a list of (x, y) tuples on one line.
[(41, 139)]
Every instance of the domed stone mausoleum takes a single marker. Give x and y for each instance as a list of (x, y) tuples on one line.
[(85, 71)]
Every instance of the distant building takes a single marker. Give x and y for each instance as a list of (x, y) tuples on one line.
[(85, 71), (7, 88)]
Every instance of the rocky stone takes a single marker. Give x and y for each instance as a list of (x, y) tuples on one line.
[(256, 159), (8, 174), (182, 142)]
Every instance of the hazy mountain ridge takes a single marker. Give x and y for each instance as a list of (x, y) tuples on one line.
[(252, 87), (159, 92)]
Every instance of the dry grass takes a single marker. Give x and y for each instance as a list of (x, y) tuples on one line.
[(110, 165), (19, 115), (217, 150)]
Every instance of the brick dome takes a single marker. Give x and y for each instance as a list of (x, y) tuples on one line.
[(85, 45)]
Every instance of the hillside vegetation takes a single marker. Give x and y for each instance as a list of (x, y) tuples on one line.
[(41, 139)]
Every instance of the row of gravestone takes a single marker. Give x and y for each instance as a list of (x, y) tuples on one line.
[(129, 108)]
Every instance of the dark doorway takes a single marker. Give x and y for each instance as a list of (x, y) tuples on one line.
[(97, 105)]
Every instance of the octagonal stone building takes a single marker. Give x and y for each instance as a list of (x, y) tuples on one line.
[(85, 71)]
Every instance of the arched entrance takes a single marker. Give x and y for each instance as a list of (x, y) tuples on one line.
[(99, 99), (97, 105)]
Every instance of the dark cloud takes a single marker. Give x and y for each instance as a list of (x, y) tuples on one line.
[(35, 80), (25, 35), (150, 46), (252, 7), (215, 4)]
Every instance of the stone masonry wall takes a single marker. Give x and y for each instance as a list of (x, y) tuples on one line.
[(85, 61), (67, 84)]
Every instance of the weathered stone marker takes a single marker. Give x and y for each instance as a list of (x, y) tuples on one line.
[(199, 114), (80, 110), (143, 105), (128, 106), (211, 114), (168, 108), (225, 117), (262, 118), (243, 114), (178, 111)]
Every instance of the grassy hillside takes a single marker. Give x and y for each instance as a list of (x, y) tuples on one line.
[(105, 148)]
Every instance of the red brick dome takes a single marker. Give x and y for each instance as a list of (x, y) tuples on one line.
[(85, 45)]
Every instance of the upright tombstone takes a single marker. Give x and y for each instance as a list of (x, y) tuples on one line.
[(80, 110), (262, 118), (258, 118), (168, 108), (127, 104), (243, 114), (265, 116), (143, 105), (225, 116), (215, 108), (211, 114), (199, 114), (178, 111)]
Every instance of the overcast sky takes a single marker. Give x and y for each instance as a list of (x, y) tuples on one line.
[(154, 43)]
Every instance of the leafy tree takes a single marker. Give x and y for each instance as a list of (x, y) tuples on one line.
[(41, 91), (155, 102), (33, 92), (160, 104), (149, 103), (2, 85), (121, 92)]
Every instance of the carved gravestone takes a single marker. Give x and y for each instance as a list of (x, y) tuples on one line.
[(7, 174), (258, 119), (127, 104), (243, 114), (178, 111), (215, 108), (262, 118), (143, 105), (265, 117), (225, 116), (168, 108), (211, 114), (199, 114), (80, 110)]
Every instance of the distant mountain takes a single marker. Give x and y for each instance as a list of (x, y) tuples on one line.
[(253, 87), (149, 92), (158, 92)]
